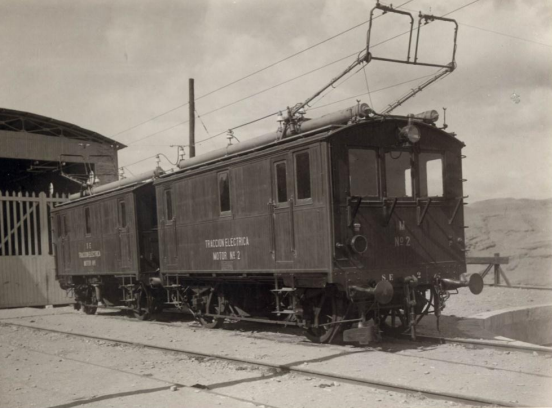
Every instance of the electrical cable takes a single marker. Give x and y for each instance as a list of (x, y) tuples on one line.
[(506, 35), (139, 161), (201, 120), (287, 81), (173, 164), (254, 73), (494, 32), (377, 90), (247, 97), (292, 79), (336, 86), (368, 89), (313, 108)]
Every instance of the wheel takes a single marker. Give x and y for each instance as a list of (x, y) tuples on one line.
[(158, 307), (142, 303), (324, 310), (90, 300), (394, 321), (213, 305)]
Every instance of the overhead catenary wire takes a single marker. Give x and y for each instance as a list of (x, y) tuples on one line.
[(252, 74), (293, 79), (506, 35), (139, 161), (368, 88), (374, 91), (247, 97), (312, 108), (337, 86), (287, 81), (203, 123), (494, 32)]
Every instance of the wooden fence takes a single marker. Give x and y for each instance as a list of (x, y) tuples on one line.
[(27, 265), (492, 263)]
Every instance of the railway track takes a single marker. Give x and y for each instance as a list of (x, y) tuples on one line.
[(303, 371), (483, 343), (508, 345), (513, 346)]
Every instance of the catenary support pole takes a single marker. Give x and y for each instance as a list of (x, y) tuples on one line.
[(192, 117)]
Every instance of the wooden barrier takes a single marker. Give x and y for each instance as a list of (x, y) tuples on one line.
[(27, 264), (492, 263)]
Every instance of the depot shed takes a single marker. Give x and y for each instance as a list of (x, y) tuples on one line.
[(42, 161)]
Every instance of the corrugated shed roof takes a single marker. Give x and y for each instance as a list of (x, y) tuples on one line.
[(18, 121)]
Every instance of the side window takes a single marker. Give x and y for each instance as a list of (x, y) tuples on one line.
[(224, 191), (303, 176), (431, 174), (398, 174), (169, 205), (122, 214), (281, 182), (87, 221), (363, 172)]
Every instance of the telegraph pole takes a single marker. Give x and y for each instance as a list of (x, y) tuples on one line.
[(192, 118)]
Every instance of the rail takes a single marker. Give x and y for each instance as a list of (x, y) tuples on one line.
[(492, 263)]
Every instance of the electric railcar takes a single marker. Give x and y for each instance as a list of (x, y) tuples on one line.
[(352, 225)]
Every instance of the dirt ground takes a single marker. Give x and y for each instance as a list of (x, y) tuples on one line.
[(40, 369)]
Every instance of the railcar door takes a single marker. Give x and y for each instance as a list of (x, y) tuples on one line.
[(125, 251), (168, 226), (63, 247), (281, 210)]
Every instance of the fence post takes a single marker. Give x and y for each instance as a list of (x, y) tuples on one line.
[(497, 269), (43, 218)]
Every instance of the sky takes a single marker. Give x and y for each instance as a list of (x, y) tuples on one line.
[(121, 68)]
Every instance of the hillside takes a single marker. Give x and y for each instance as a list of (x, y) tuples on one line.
[(518, 228)]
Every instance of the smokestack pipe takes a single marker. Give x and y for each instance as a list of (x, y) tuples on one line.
[(192, 117)]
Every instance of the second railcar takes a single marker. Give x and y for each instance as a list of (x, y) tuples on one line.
[(107, 248)]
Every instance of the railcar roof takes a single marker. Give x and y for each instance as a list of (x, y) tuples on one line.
[(100, 196), (308, 137)]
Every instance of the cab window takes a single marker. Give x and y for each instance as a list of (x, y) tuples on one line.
[(431, 174), (398, 174), (363, 172), (303, 176)]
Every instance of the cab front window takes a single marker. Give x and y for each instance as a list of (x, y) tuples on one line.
[(363, 173), (398, 174), (431, 174)]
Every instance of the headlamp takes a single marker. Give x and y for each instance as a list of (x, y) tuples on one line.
[(410, 132)]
